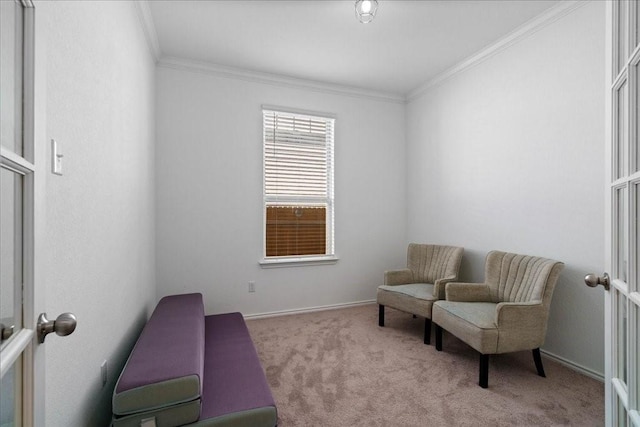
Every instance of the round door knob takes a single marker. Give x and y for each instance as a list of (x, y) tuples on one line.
[(592, 280), (64, 325)]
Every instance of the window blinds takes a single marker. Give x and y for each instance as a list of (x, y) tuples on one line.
[(298, 177), (297, 157)]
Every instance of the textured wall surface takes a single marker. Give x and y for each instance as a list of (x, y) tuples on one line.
[(100, 260), (508, 155), (209, 194)]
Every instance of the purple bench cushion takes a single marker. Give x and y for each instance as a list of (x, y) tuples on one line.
[(233, 378), (167, 363)]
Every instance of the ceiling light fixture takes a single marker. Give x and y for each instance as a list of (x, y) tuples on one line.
[(366, 10)]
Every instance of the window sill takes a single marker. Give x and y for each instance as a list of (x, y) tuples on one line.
[(297, 261)]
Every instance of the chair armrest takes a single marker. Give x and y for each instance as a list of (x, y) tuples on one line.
[(520, 315), (398, 277), (440, 285), (468, 292)]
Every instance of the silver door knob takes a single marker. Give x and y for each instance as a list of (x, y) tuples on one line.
[(64, 325), (6, 332), (593, 280)]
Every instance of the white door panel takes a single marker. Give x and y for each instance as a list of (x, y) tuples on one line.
[(21, 368), (622, 302)]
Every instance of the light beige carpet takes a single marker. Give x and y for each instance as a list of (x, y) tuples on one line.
[(339, 368)]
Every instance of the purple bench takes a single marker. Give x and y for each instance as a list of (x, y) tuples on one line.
[(192, 369)]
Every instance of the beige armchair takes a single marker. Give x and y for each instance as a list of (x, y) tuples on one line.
[(415, 288), (507, 313)]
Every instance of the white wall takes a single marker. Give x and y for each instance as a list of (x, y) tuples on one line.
[(100, 261), (504, 156), (508, 155), (209, 194)]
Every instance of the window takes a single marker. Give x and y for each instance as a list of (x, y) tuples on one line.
[(298, 186)]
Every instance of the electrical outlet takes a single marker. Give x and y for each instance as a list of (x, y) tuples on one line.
[(252, 286), (103, 372)]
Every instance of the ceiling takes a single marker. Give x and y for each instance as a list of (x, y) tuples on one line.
[(407, 44)]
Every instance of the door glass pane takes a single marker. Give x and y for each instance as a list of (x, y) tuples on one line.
[(636, 31), (622, 414), (10, 396), (635, 70), (621, 131), (622, 234), (621, 369), (635, 355), (11, 248), (635, 286), (11, 76), (622, 16)]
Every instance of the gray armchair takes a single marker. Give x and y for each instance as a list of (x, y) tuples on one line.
[(415, 288), (507, 313)]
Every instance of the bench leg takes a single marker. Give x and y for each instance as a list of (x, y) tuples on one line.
[(380, 315), (538, 360), (438, 337), (484, 371), (427, 330)]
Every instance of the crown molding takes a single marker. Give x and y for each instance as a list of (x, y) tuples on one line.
[(149, 28), (275, 79), (524, 31)]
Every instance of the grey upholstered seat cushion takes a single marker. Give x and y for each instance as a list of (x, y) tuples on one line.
[(175, 415), (416, 290), (472, 322), (414, 298), (479, 314)]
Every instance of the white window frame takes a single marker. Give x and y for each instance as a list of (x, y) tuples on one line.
[(301, 260)]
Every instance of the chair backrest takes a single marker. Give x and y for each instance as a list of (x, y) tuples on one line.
[(521, 278), (432, 262)]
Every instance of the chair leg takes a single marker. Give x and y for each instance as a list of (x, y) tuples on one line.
[(380, 315), (538, 360), (484, 371), (427, 330), (438, 338)]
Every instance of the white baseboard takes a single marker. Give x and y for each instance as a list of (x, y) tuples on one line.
[(307, 309), (572, 365)]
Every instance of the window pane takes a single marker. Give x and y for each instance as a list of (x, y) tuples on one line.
[(621, 131), (11, 76), (635, 356), (296, 230), (10, 248), (622, 415), (636, 29), (295, 155), (298, 184), (635, 70), (622, 18), (621, 234), (621, 368), (635, 287), (11, 396)]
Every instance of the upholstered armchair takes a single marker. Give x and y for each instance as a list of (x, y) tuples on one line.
[(506, 313), (415, 288)]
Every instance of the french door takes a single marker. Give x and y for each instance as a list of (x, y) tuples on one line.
[(622, 302), (21, 196)]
